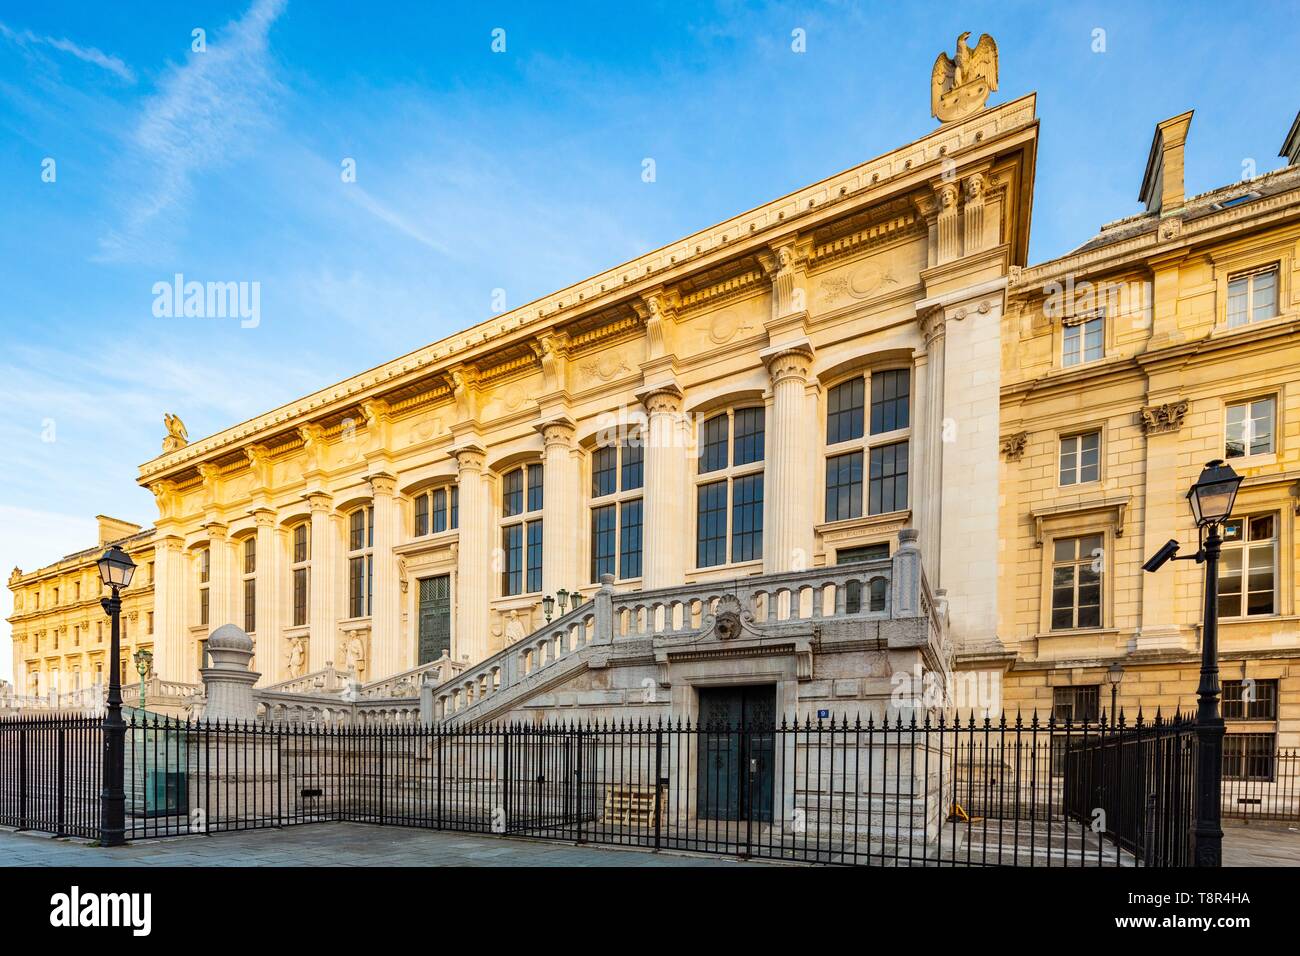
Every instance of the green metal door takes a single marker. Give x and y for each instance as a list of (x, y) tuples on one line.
[(435, 617), (737, 751)]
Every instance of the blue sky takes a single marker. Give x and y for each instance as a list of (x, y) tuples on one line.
[(478, 170)]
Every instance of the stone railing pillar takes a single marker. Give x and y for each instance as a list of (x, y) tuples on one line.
[(905, 586), (605, 611), (228, 682), (788, 519)]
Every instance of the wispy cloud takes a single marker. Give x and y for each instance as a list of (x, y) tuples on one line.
[(29, 40), (207, 111)]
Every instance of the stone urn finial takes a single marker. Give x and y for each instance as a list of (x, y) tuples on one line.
[(228, 681)]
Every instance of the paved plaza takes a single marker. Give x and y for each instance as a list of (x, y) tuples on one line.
[(359, 844)]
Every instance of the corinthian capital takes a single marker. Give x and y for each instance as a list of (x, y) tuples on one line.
[(792, 360)]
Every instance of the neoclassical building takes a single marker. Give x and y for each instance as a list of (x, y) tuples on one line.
[(784, 390), (1166, 340)]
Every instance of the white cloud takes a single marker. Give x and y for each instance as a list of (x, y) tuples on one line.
[(28, 39)]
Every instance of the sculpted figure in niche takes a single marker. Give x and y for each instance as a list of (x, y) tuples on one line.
[(354, 655), (514, 629), (297, 658)]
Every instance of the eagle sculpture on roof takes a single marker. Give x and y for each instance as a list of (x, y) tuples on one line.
[(961, 86)]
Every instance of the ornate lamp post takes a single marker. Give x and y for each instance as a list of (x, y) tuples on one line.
[(1114, 674), (143, 664), (115, 570), (1211, 499), (548, 607)]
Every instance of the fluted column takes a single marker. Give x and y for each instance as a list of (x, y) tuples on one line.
[(267, 578), (321, 611), (474, 556), (927, 504), (385, 614), (561, 545), (666, 517), (788, 508), (168, 610), (221, 582)]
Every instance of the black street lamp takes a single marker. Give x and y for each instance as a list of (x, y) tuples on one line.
[(1211, 499), (1114, 674), (115, 570)]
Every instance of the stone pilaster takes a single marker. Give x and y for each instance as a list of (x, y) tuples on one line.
[(267, 578), (474, 556), (221, 580), (788, 509), (168, 610), (927, 511), (973, 212), (1163, 516), (386, 650), (666, 440), (948, 222), (561, 545), (321, 613)]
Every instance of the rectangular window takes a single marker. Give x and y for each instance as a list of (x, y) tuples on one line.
[(711, 536), (1248, 567), (747, 518), (421, 516), (633, 465), (602, 541), (535, 555), (749, 436), (1080, 458), (357, 532), (1249, 756), (630, 539), (1076, 704), (604, 471), (299, 597), (888, 479), (1250, 700), (1249, 428), (844, 411), (534, 487), (360, 577), (250, 555), (1076, 582), (1252, 297), (713, 451), (300, 544), (844, 487), (205, 566), (439, 511), (889, 400), (512, 546), (250, 605), (512, 496), (203, 607), (455, 506), (1084, 341)]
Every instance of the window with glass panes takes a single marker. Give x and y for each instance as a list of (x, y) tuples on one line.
[(250, 584), (867, 445), (1248, 567), (1076, 582), (1249, 427), (729, 488), (1083, 340), (1249, 756), (1252, 296), (299, 569), (521, 530), (1250, 700), (1080, 458), (361, 561), (617, 482), (205, 577), (437, 510)]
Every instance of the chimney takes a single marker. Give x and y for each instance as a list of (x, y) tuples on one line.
[(1162, 186), (114, 529), (1291, 147)]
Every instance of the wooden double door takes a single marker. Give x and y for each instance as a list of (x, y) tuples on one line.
[(435, 617), (736, 753)]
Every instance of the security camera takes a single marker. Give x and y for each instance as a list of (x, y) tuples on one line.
[(1157, 560)]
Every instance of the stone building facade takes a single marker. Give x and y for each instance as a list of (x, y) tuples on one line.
[(1167, 340)]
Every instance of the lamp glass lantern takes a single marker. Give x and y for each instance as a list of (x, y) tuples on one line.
[(548, 606), (116, 568), (563, 597), (1114, 674), (1212, 496), (143, 661)]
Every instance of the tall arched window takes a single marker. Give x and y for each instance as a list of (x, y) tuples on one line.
[(617, 479), (521, 530), (867, 449), (361, 561), (300, 568), (437, 510), (729, 488)]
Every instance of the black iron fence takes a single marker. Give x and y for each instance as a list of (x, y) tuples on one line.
[(913, 791)]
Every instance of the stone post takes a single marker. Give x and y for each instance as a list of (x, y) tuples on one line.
[(228, 682), (788, 508), (905, 588), (605, 611), (666, 474), (474, 556), (385, 656)]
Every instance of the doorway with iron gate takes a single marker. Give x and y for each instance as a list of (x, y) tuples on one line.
[(736, 753), (435, 618)]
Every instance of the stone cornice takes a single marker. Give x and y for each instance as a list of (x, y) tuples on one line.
[(877, 180)]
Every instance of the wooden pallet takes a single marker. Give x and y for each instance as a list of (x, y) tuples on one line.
[(634, 805)]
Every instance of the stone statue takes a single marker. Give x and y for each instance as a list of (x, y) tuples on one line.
[(961, 86), (297, 657), (354, 655), (177, 436), (514, 629)]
